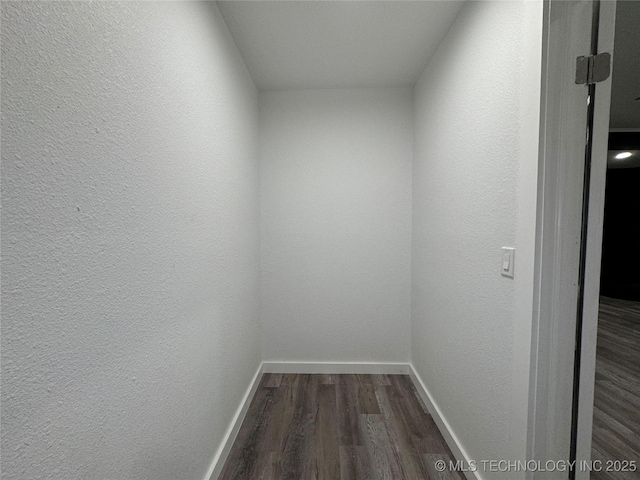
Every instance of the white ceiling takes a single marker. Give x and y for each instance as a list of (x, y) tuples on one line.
[(625, 109), (325, 44)]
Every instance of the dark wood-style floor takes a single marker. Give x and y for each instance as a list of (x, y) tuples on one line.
[(332, 427), (616, 416)]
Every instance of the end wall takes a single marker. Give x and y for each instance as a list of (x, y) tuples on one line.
[(129, 238), (335, 199), (474, 191)]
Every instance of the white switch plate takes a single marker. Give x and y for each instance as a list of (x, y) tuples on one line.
[(508, 261)]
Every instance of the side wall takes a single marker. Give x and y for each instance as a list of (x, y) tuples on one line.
[(335, 201), (474, 191), (130, 325)]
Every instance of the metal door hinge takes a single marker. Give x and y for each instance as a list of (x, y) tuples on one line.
[(593, 69)]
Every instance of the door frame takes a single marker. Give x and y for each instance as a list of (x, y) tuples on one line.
[(567, 33), (593, 254)]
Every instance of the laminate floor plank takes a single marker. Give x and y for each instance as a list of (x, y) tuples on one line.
[(347, 405), (383, 463), (282, 416), (406, 451), (329, 427), (616, 415), (364, 379), (380, 380), (309, 390), (289, 378), (295, 464), (413, 420), (243, 463), (430, 460), (326, 454), (405, 388), (431, 441), (354, 463), (274, 380), (367, 401), (327, 379)]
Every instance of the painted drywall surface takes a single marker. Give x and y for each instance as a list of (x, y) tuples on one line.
[(474, 191), (625, 91), (335, 215), (130, 324), (317, 44)]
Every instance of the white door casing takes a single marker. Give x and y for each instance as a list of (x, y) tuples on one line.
[(567, 35)]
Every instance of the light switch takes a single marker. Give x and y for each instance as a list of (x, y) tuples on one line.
[(508, 261)]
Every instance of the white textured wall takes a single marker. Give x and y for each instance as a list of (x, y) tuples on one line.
[(129, 239), (335, 200), (474, 189)]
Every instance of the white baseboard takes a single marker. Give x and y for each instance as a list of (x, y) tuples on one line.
[(337, 368), (445, 429), (232, 432)]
